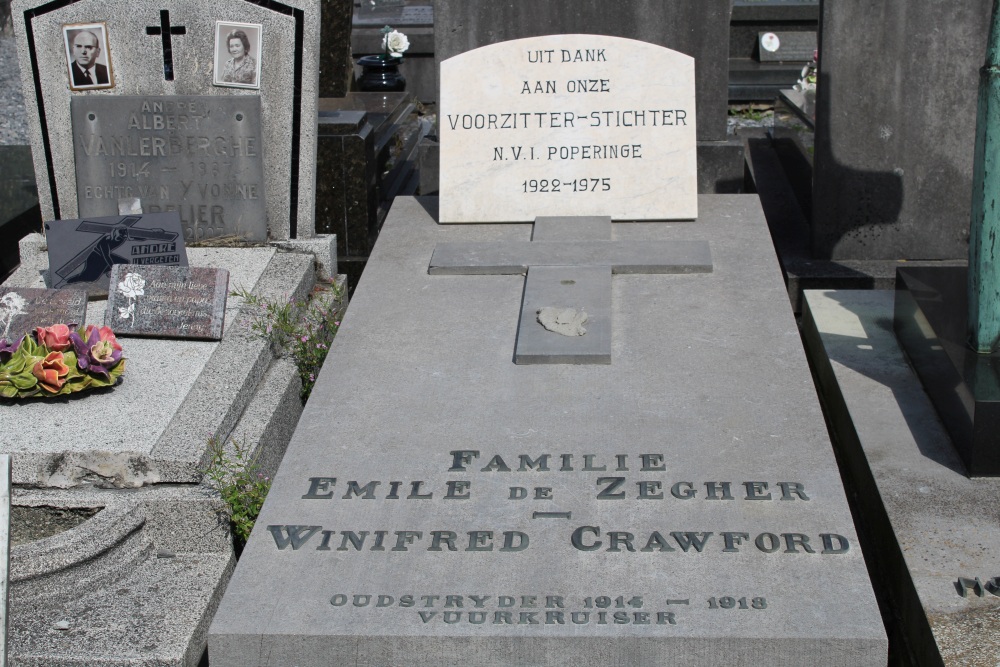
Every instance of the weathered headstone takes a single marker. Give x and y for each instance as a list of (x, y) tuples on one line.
[(568, 124), (24, 308), (167, 302), (167, 50), (680, 504), (200, 156), (82, 252)]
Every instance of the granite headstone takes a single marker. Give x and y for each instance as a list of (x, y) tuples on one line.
[(167, 301), (567, 124), (167, 49)]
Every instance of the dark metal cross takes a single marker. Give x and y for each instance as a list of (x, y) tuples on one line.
[(165, 30)]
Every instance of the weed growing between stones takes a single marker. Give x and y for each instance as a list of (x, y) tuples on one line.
[(235, 474), (303, 330)]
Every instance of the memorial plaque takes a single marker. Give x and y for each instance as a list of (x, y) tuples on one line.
[(24, 308), (200, 156), (568, 124), (786, 46), (167, 301), (82, 252)]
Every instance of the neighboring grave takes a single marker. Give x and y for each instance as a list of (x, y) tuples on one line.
[(681, 503), (567, 123), (167, 301), (895, 127), (168, 50)]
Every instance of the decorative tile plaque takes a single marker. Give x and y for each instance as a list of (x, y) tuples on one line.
[(167, 301), (24, 308), (82, 252), (200, 156)]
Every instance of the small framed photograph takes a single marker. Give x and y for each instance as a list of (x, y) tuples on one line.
[(88, 57), (237, 54)]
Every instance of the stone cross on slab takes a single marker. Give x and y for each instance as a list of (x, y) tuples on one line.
[(569, 262), (165, 30)]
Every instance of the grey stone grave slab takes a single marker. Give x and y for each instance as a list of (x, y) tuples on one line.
[(458, 508), (82, 252), (931, 527), (24, 308), (168, 49), (201, 156), (167, 301), (783, 46)]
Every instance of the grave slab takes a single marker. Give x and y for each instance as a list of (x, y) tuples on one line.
[(458, 507), (931, 529), (165, 408)]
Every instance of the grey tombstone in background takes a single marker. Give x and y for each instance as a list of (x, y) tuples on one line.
[(168, 49), (895, 127)]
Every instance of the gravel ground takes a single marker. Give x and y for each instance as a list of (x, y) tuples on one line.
[(12, 126)]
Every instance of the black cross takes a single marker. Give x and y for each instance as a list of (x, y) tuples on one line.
[(165, 30)]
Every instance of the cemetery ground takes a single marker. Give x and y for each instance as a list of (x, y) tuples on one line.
[(122, 550)]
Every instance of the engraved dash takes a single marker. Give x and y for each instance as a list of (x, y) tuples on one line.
[(677, 601), (551, 515)]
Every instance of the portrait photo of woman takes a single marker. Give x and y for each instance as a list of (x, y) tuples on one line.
[(237, 54)]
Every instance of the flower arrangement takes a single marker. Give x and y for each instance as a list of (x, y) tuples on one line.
[(58, 360), (807, 80), (394, 43)]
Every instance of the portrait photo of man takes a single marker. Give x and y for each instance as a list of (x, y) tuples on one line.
[(87, 56), (237, 54)]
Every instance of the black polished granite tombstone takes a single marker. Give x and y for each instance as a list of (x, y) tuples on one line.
[(753, 76), (19, 211), (365, 157), (930, 322)]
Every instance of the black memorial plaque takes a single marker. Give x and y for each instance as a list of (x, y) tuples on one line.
[(200, 156), (82, 252), (167, 301), (787, 46), (24, 308)]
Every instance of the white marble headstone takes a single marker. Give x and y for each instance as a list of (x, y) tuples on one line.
[(568, 125)]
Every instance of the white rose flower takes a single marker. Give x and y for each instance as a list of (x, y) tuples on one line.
[(132, 286), (395, 43), (13, 302)]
